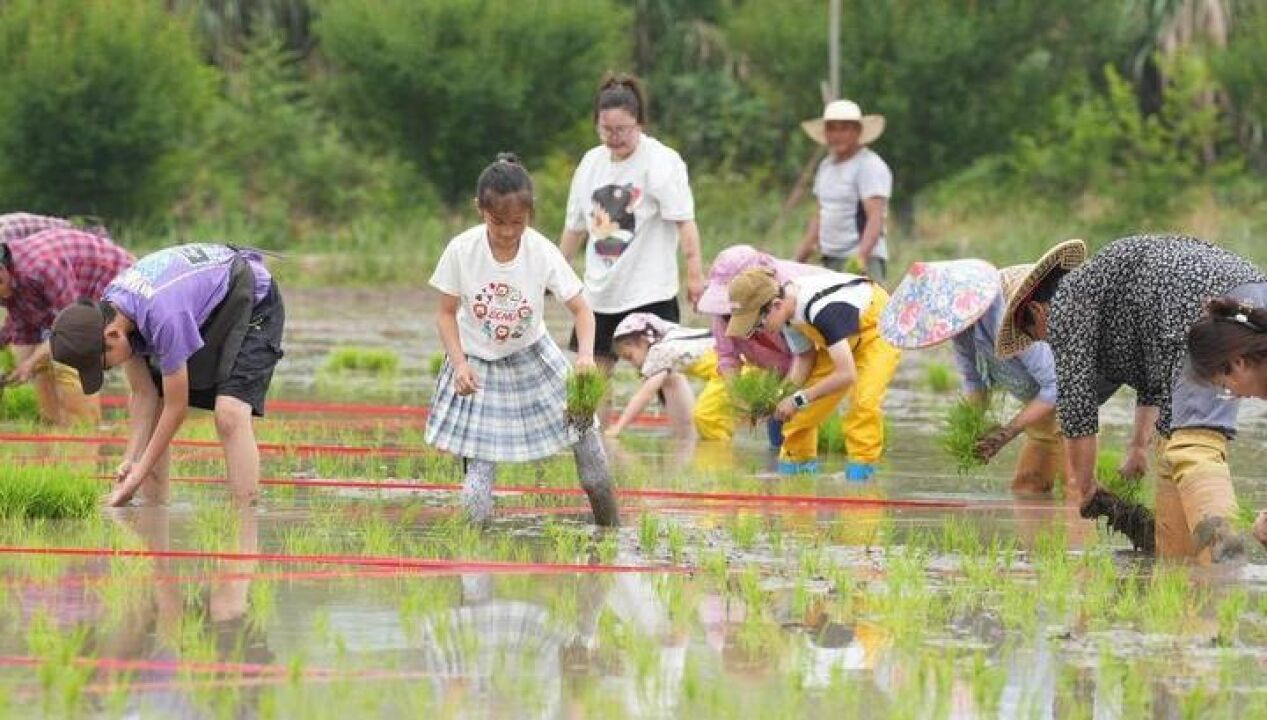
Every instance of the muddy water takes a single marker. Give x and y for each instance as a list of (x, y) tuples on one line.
[(788, 611)]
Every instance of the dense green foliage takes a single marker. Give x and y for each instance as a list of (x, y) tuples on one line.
[(357, 130), (98, 104)]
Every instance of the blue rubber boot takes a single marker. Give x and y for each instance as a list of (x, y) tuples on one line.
[(859, 472), (805, 467), (774, 430)]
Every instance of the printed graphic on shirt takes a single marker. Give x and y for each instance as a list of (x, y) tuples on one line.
[(502, 311), (144, 277), (612, 222)]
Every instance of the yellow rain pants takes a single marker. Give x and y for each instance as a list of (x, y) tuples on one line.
[(863, 426), (1193, 484), (714, 418)]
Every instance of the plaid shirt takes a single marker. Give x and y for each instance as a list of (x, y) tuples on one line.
[(51, 270)]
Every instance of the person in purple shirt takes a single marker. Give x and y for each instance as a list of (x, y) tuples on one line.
[(194, 325)]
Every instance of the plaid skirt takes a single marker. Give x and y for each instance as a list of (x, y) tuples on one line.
[(516, 415)]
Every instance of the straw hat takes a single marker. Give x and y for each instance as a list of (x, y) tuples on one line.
[(1020, 281), (938, 300), (847, 111)]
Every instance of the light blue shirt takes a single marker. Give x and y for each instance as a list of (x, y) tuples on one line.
[(1028, 376)]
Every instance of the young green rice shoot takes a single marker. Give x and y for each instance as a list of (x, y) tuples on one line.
[(939, 377), (965, 424), (585, 393), (52, 492), (755, 393), (352, 358)]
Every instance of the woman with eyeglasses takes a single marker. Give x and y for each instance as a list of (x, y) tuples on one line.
[(631, 209), (1123, 318), (1227, 349)]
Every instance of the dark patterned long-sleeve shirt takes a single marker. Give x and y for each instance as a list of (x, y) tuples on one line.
[(1123, 318), (51, 270)]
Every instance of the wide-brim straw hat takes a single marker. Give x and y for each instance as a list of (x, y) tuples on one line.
[(938, 300), (1019, 283), (845, 111)]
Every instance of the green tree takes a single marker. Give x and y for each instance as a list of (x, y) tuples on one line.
[(99, 103), (451, 82)]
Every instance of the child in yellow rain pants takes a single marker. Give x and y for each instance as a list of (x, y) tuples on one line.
[(831, 321), (666, 354)]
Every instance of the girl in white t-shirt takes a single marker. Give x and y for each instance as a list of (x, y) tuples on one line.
[(500, 396), (666, 354)]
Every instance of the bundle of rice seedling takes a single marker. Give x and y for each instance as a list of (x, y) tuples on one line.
[(965, 424), (352, 358), (51, 492), (585, 392), (755, 393), (1121, 502)]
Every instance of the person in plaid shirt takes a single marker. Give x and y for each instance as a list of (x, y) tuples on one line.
[(43, 271)]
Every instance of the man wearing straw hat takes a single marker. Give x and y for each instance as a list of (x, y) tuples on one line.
[(963, 301), (1122, 319), (853, 185)]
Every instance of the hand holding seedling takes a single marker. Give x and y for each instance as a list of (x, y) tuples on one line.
[(22, 373), (994, 441), (585, 363), (785, 409), (1135, 464), (465, 381), (127, 487)]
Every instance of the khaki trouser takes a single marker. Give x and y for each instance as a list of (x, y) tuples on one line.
[(1041, 457), (61, 397), (1193, 484)]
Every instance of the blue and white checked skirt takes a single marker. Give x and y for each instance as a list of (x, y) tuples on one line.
[(518, 414)]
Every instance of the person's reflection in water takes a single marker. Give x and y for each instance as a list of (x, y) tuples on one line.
[(493, 657), (156, 626)]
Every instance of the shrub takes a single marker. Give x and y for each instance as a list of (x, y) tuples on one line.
[(451, 82), (100, 103)]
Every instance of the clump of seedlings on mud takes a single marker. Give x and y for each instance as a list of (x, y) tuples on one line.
[(352, 358), (585, 392), (1119, 500), (966, 423), (754, 394)]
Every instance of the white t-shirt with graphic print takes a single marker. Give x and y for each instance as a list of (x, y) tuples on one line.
[(502, 305), (630, 210)]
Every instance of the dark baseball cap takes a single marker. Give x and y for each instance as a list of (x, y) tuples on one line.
[(78, 341)]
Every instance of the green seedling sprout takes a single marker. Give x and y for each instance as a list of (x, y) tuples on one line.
[(351, 358), (965, 424), (585, 393), (435, 363), (939, 377), (755, 393), (52, 491)]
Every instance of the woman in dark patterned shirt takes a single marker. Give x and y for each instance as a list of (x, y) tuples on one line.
[(1123, 319)]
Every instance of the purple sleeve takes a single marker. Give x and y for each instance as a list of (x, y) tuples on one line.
[(173, 338)]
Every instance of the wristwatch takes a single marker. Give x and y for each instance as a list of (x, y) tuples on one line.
[(799, 399)]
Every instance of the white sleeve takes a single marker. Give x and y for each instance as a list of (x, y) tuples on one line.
[(661, 357), (561, 279), (875, 179), (671, 187), (578, 208), (447, 277)]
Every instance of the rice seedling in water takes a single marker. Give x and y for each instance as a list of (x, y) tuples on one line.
[(965, 424), (1120, 501), (18, 403), (939, 377), (755, 393), (378, 361), (831, 437), (585, 392), (648, 533), (435, 363), (47, 492)]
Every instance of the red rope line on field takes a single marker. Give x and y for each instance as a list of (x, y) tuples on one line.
[(415, 564), (650, 493), (328, 408), (298, 449)]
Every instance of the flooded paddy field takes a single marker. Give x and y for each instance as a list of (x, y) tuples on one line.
[(355, 589)]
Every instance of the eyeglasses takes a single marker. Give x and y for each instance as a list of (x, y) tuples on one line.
[(610, 131)]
